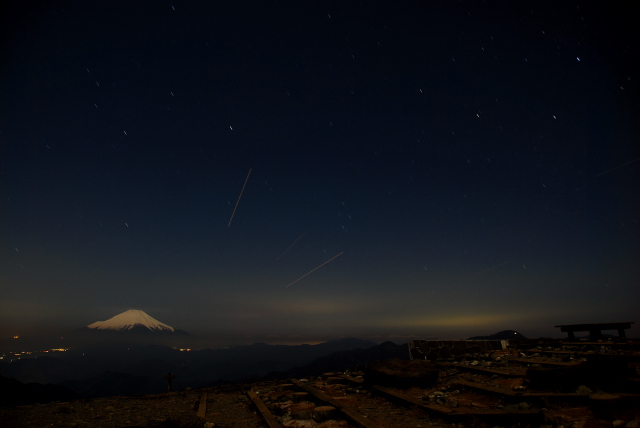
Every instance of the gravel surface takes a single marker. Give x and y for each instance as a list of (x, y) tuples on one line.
[(226, 407)]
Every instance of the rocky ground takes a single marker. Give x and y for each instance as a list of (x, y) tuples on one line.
[(227, 406), (562, 385)]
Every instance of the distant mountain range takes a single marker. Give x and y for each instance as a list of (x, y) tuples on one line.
[(124, 369), (354, 359), (502, 335), (14, 393)]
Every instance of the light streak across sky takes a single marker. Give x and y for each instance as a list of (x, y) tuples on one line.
[(294, 243), (336, 256), (234, 209)]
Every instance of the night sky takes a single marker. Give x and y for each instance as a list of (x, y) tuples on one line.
[(463, 167)]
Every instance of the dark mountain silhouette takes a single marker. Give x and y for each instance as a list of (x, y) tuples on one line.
[(340, 361), (39, 370), (235, 364), (502, 335), (14, 393), (136, 369), (132, 332)]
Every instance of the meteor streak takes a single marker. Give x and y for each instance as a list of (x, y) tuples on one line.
[(294, 243), (619, 166), (488, 269), (314, 269), (234, 209)]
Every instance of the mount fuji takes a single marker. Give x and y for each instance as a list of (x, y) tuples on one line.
[(133, 325), (130, 320)]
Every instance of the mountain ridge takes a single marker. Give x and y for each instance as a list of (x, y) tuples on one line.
[(99, 368)]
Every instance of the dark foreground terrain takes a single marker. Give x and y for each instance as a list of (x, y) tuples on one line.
[(536, 383)]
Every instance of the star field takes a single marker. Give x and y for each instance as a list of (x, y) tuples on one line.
[(300, 171)]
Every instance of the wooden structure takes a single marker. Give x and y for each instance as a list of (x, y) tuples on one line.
[(595, 330), (264, 410), (202, 407)]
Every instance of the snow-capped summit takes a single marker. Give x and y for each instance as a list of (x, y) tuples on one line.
[(131, 319)]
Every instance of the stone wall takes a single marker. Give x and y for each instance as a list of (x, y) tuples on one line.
[(432, 349)]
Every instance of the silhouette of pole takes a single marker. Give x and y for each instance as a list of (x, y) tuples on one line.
[(169, 377)]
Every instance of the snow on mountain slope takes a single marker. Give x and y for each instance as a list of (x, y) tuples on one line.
[(130, 319)]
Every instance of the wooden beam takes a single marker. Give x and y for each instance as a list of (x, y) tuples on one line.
[(202, 408), (264, 410), (517, 394), (446, 411), (544, 363), (353, 379), (429, 407), (485, 370)]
